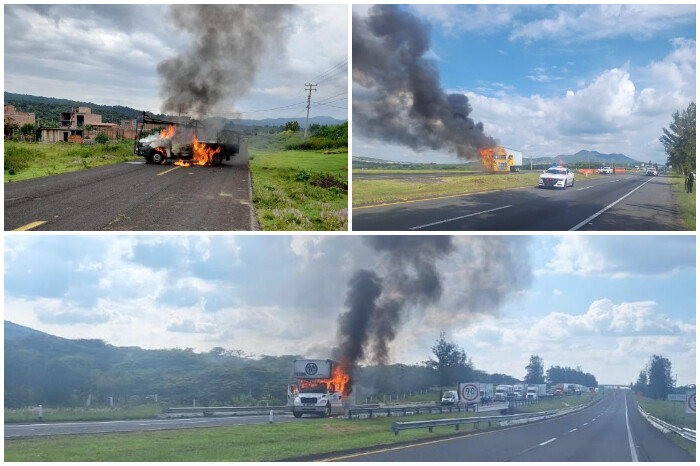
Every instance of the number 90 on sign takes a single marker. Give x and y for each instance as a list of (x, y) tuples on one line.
[(469, 392)]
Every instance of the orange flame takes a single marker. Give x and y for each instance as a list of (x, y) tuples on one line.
[(487, 157), (168, 133), (201, 154), (340, 379)]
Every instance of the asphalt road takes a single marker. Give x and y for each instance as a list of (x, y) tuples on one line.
[(608, 431), (63, 428), (133, 196), (627, 202)]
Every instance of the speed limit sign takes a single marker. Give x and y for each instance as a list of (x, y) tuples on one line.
[(690, 403), (469, 392)]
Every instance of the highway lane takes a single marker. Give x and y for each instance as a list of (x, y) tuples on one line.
[(598, 433), (619, 202), (63, 428), (134, 196)]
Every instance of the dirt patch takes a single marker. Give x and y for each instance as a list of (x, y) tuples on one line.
[(328, 182)]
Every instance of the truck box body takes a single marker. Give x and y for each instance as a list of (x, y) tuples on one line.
[(536, 391), (313, 368), (519, 391), (517, 159)]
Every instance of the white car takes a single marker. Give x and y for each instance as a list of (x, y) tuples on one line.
[(605, 171), (556, 177), (652, 172)]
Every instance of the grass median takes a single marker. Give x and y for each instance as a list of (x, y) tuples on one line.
[(548, 404), (684, 201), (373, 192), (24, 160), (82, 414), (300, 190), (258, 442)]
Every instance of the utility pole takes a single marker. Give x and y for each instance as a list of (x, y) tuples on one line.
[(308, 87)]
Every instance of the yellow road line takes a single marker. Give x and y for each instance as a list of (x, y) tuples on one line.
[(168, 171), (432, 442), (438, 197), (29, 226)]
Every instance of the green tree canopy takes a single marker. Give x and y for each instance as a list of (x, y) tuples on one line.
[(660, 380), (679, 140), (292, 126), (451, 365), (535, 370)]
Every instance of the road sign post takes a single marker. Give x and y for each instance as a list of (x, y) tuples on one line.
[(690, 403)]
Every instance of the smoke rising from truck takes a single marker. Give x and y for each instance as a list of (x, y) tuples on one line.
[(227, 44), (400, 99), (485, 273)]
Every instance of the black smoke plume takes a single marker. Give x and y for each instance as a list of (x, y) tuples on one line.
[(219, 66), (397, 97), (484, 272)]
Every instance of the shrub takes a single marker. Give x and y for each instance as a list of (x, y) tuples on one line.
[(18, 158), (101, 138)]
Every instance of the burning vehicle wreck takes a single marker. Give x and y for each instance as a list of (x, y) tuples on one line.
[(181, 143), (319, 387)]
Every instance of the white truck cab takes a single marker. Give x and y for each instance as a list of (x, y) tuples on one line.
[(320, 388)]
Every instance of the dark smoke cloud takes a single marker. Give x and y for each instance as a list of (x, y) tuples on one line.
[(400, 99), (228, 43), (484, 271)]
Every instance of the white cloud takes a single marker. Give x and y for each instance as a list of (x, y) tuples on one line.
[(570, 23)]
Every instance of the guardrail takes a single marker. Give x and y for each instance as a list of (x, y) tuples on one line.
[(505, 420), (406, 410), (665, 427), (235, 410)]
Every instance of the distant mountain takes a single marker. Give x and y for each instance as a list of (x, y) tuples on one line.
[(17, 332), (48, 108), (587, 156)]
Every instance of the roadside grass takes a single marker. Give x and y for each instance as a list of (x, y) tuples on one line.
[(672, 412), (82, 414), (389, 171), (372, 192), (557, 403), (24, 160), (685, 202), (259, 442), (300, 190)]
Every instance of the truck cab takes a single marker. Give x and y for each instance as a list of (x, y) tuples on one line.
[(449, 398), (319, 388)]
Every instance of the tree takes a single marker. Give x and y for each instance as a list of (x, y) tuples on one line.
[(292, 126), (101, 138), (535, 370), (10, 128), (452, 364), (660, 380), (679, 140), (641, 384)]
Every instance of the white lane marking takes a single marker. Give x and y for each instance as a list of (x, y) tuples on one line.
[(593, 420), (573, 430), (605, 208), (548, 441), (615, 181), (458, 218), (136, 163), (629, 434), (587, 187), (585, 423)]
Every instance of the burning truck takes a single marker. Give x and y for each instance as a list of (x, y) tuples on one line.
[(319, 387), (180, 142)]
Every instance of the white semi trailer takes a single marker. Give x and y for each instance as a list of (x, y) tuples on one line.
[(536, 391)]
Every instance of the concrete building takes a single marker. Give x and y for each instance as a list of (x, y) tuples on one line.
[(18, 118), (78, 118)]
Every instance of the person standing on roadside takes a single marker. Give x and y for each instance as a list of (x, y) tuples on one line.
[(689, 183)]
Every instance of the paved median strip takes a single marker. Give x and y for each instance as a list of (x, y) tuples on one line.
[(459, 218), (30, 226)]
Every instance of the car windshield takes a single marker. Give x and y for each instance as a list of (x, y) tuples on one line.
[(556, 171)]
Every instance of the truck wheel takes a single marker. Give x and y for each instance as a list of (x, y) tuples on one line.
[(216, 159), (157, 157), (572, 183), (296, 413), (148, 158), (327, 411)]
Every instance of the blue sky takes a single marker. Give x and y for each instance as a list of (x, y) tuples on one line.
[(555, 79), (605, 303)]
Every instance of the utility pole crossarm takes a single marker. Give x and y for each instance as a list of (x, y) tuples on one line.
[(308, 87)]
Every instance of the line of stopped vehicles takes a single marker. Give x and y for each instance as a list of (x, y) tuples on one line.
[(323, 388)]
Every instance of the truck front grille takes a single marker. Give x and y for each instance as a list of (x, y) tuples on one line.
[(308, 400)]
